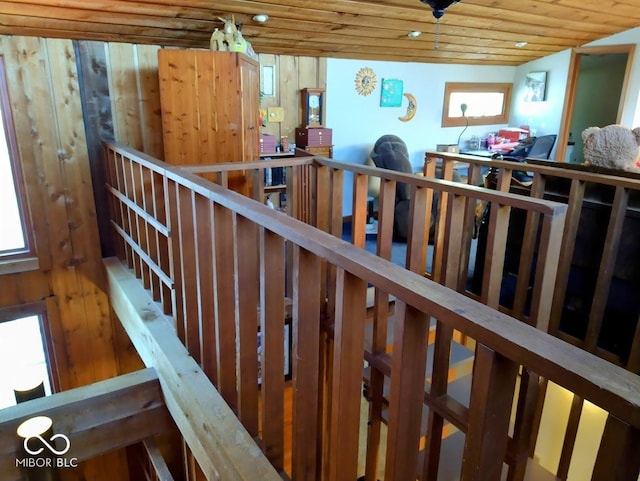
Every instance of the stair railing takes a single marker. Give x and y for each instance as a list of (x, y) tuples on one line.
[(220, 263)]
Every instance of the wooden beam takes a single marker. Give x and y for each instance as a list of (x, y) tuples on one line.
[(97, 418), (221, 445)]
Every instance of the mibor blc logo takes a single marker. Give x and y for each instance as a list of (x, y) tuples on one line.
[(40, 447)]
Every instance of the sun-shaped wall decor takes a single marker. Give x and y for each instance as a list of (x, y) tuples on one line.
[(365, 81)]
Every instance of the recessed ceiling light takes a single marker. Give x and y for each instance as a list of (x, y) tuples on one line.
[(414, 34), (521, 44), (261, 18)]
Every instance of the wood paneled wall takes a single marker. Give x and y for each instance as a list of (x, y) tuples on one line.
[(132, 72), (43, 86), (291, 75), (117, 86), (135, 96), (45, 101)]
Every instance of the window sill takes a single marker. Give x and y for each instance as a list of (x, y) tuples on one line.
[(13, 266)]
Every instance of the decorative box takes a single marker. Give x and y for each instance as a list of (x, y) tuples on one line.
[(313, 137), (267, 144), (513, 134)]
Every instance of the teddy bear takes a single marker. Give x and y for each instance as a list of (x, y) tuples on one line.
[(613, 147)]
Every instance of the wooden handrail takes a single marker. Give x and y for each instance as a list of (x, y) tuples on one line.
[(455, 188), (597, 177), (329, 371)]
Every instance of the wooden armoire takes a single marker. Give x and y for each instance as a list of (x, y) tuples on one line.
[(210, 108)]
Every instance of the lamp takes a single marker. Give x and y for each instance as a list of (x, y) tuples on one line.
[(28, 384), (29, 392), (463, 108)]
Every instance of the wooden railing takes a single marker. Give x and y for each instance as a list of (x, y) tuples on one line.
[(218, 263), (602, 209), (447, 256)]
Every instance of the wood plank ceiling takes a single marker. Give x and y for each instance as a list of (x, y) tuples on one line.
[(471, 31)]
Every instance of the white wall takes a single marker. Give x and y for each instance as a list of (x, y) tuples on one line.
[(358, 121), (542, 117), (546, 116)]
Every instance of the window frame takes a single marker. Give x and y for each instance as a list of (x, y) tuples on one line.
[(476, 87), (25, 258), (40, 310)]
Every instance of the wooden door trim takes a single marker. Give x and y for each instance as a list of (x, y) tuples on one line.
[(572, 81)]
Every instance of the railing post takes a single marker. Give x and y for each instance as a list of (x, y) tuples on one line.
[(203, 211), (346, 388), (247, 292), (607, 268), (569, 235), (272, 319), (224, 301), (524, 425), (494, 256), (494, 379), (408, 370), (306, 361), (417, 238), (618, 458), (386, 204)]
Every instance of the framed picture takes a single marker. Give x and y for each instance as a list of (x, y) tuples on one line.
[(268, 81), (391, 93), (535, 87), (287, 368)]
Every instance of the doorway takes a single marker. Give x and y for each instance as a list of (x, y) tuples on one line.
[(591, 71)]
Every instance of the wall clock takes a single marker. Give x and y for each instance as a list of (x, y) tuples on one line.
[(312, 107), (365, 81)]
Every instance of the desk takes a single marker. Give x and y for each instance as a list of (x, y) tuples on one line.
[(479, 153), (462, 167)]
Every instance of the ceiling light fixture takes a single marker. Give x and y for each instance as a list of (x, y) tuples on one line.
[(261, 18), (414, 34), (438, 7), (521, 44)]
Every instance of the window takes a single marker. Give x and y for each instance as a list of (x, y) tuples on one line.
[(486, 104), (16, 242), (24, 351)]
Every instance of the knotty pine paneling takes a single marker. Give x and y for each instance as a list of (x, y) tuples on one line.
[(132, 71), (46, 105), (45, 102), (135, 96), (291, 75)]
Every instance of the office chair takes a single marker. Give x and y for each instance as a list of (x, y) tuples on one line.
[(541, 148)]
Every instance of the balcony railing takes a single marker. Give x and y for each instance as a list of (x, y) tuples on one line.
[(227, 271)]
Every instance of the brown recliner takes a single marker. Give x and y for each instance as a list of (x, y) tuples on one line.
[(390, 152)]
